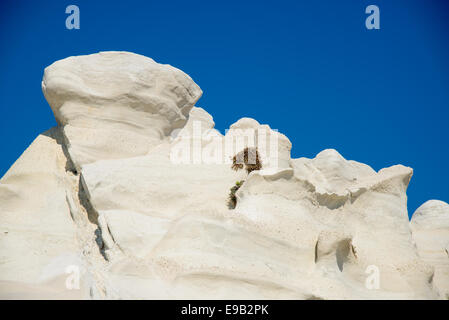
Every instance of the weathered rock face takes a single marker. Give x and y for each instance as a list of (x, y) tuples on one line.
[(116, 104), (430, 227), (129, 195), (43, 228)]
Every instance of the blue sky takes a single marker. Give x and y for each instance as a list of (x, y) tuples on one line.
[(307, 68)]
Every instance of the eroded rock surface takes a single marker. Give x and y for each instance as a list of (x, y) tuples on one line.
[(130, 193), (116, 104), (430, 227)]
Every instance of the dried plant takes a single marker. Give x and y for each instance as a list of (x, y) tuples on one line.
[(248, 158)]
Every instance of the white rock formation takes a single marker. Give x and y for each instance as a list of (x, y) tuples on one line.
[(116, 104), (129, 195), (430, 227)]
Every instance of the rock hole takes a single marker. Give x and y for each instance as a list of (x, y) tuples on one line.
[(342, 253)]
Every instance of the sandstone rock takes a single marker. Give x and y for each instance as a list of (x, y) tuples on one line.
[(430, 227), (38, 233), (116, 104), (128, 192)]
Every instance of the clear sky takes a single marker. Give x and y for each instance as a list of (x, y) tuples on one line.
[(310, 69)]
